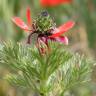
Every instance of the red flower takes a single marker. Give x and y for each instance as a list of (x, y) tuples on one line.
[(53, 2), (53, 34)]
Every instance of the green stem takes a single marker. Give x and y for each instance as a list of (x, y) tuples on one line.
[(43, 87)]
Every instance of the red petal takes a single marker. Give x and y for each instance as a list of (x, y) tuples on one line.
[(28, 14), (20, 23), (61, 39), (65, 27), (49, 3), (44, 39)]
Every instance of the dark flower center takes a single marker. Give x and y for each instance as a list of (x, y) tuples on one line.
[(44, 13)]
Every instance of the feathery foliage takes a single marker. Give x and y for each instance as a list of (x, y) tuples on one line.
[(51, 74)]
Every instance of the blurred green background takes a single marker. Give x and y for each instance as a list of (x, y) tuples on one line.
[(82, 38)]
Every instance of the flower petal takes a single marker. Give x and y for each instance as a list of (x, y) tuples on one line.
[(20, 23), (61, 39), (42, 44), (48, 3), (44, 40), (28, 14), (65, 27)]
